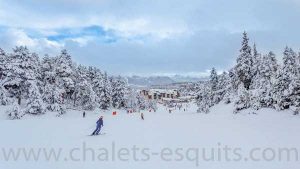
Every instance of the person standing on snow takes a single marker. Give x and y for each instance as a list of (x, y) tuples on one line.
[(99, 125), (142, 116)]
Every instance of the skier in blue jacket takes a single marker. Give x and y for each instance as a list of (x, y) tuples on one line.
[(99, 125)]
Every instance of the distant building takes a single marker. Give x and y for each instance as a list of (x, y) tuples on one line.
[(159, 94)]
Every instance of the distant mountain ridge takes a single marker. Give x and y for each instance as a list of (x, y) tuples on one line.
[(160, 80)]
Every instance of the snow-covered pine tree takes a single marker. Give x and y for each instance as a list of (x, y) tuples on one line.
[(62, 110), (284, 77), (34, 103), (294, 88), (243, 99), (3, 98), (243, 68), (52, 94), (80, 76), (290, 61), (105, 93), (141, 102), (261, 93), (21, 69), (131, 99), (213, 79), (213, 87), (256, 61), (152, 105), (223, 88), (118, 92), (84, 96), (273, 63), (234, 80), (255, 82), (280, 92), (218, 86), (64, 70), (233, 83), (37, 69), (52, 97), (15, 112), (298, 62), (204, 100), (96, 79), (3, 62)]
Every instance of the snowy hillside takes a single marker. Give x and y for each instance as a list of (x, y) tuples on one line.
[(160, 135)]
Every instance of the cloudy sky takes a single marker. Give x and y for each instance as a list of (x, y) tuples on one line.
[(147, 37)]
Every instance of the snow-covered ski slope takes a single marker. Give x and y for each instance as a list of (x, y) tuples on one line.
[(180, 140)]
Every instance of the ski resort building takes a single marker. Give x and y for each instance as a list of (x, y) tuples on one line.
[(160, 94)]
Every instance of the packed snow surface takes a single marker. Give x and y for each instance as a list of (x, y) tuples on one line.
[(162, 136)]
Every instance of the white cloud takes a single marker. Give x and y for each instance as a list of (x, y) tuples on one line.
[(17, 37), (82, 41), (21, 39), (143, 27), (164, 36)]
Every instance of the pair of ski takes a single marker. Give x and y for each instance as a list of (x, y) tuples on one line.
[(97, 134)]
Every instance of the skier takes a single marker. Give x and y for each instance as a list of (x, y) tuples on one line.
[(83, 114), (142, 116), (99, 125)]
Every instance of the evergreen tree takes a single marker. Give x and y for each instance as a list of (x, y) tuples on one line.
[(3, 98), (56, 83), (3, 72), (280, 88), (273, 63), (64, 70), (294, 87), (284, 78), (3, 62), (256, 61), (15, 112), (52, 94), (234, 80), (244, 65), (34, 102), (152, 105), (105, 93), (213, 79), (261, 94), (84, 96), (118, 92), (141, 102), (96, 79), (233, 83), (243, 99), (224, 88), (22, 69), (131, 99), (294, 90), (204, 100)]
